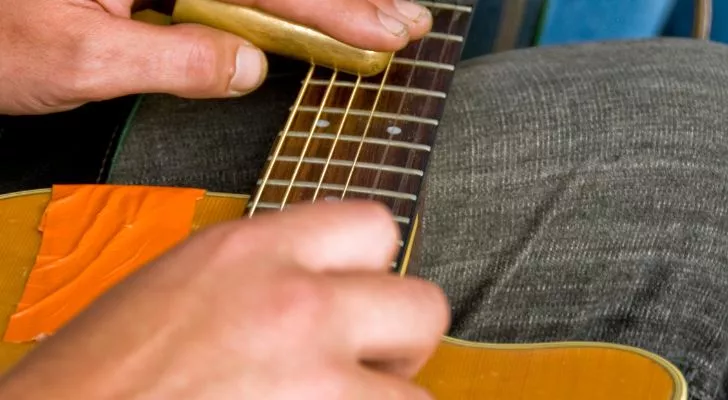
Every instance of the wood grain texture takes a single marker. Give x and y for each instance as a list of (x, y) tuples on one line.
[(559, 371)]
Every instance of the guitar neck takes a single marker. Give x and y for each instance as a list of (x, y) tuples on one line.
[(349, 137)]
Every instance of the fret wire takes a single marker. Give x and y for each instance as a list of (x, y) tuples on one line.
[(424, 64), (279, 145), (405, 178), (443, 6), (396, 204), (390, 88), (346, 112), (366, 165), (338, 135), (343, 188), (452, 19), (366, 128), (445, 36), (372, 113), (369, 140), (378, 175), (308, 139)]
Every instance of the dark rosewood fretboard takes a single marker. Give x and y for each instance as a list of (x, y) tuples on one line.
[(369, 138)]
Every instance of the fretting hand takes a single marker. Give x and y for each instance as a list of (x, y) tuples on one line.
[(294, 305), (59, 54)]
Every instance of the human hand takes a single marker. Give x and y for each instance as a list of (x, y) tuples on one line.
[(60, 54), (292, 305)]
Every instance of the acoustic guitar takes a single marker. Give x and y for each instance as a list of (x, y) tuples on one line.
[(362, 126)]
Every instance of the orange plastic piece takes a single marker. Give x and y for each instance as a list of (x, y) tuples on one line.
[(93, 237)]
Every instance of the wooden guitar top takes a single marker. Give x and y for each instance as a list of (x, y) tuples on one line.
[(458, 370)]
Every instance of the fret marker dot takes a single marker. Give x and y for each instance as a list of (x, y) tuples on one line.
[(322, 123), (331, 198), (394, 130)]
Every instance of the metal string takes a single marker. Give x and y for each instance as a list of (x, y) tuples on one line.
[(279, 145), (403, 178), (308, 139), (420, 45), (294, 112), (336, 139)]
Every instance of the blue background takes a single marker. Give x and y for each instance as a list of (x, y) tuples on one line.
[(572, 21)]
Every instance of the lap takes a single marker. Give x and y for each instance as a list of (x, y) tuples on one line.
[(575, 193)]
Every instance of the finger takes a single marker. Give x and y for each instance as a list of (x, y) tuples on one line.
[(383, 25), (348, 235), (390, 323), (365, 384), (128, 57)]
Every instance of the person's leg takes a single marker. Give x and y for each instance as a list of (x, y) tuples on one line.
[(220, 145), (576, 193), (581, 193)]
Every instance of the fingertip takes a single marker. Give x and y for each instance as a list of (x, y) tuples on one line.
[(415, 19), (432, 297), (380, 216), (251, 68), (378, 220), (342, 235), (372, 220)]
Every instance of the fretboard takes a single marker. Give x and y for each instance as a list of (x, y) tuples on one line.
[(368, 138)]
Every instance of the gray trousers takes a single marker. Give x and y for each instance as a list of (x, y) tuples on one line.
[(576, 193)]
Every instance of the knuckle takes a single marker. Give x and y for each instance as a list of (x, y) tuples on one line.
[(73, 57), (300, 302), (202, 66)]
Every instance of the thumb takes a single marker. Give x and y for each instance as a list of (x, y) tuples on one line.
[(192, 61)]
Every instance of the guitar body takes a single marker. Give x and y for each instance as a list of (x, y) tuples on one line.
[(458, 370), (370, 138)]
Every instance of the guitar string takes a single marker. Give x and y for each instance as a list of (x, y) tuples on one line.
[(356, 159), (341, 125), (396, 119), (403, 177), (336, 139), (366, 128), (279, 145), (286, 131), (451, 24), (412, 71), (410, 157), (314, 124)]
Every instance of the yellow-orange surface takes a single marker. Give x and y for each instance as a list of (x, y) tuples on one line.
[(93, 236), (566, 371), (20, 241)]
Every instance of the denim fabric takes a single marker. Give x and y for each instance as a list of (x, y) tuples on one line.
[(575, 193)]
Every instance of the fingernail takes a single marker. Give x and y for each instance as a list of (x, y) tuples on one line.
[(391, 24), (411, 10), (251, 67)]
